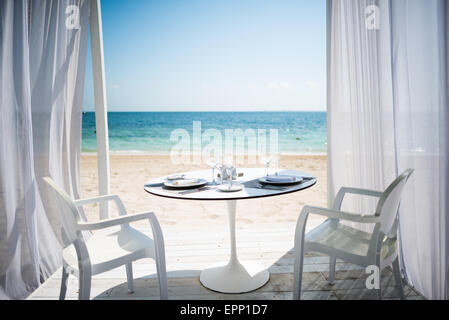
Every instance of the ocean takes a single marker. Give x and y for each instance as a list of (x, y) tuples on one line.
[(149, 132)]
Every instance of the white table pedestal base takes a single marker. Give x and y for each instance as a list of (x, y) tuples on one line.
[(234, 277)]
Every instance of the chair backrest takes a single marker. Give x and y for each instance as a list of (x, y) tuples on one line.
[(69, 212), (388, 205)]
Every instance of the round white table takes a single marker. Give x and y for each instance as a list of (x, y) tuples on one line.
[(234, 277)]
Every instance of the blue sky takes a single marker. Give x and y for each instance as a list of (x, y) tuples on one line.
[(195, 55)]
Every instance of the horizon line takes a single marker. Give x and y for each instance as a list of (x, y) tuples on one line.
[(210, 111)]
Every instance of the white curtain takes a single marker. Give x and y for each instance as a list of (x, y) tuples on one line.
[(19, 257), (389, 111), (420, 38), (41, 83), (361, 118)]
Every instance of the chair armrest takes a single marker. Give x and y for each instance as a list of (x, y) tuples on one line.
[(332, 214), (343, 191), (117, 221), (158, 238), (121, 208), (341, 215)]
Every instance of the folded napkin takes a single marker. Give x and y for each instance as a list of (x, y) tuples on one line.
[(184, 182), (176, 177), (280, 178)]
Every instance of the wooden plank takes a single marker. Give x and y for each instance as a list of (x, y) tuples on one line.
[(185, 263), (315, 286), (148, 271)]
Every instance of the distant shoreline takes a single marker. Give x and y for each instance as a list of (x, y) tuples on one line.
[(149, 153), (157, 133), (213, 111)]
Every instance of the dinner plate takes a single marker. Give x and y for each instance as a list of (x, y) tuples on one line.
[(181, 184), (296, 180), (234, 188)]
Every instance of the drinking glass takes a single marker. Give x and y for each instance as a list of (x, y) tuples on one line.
[(230, 172), (213, 166), (266, 160), (229, 167), (221, 170)]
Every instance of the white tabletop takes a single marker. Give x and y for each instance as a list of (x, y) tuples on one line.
[(210, 192)]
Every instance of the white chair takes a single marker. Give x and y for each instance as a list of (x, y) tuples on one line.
[(114, 245), (339, 241)]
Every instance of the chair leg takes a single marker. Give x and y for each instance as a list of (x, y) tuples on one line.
[(379, 291), (332, 263), (85, 278), (65, 277), (162, 275), (398, 278), (297, 275), (299, 250), (129, 276), (159, 257)]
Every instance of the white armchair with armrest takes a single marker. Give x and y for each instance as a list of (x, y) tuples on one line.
[(339, 241), (114, 244)]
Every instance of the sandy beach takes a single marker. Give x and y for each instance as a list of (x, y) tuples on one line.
[(130, 172)]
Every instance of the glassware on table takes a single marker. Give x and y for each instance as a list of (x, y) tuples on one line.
[(230, 173), (221, 170), (213, 166), (229, 168), (266, 160)]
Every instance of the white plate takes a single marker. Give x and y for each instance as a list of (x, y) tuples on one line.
[(295, 181), (197, 183), (234, 188)]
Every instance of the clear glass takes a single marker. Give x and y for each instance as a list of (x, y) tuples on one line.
[(229, 172), (220, 169), (266, 160), (213, 166), (229, 167)]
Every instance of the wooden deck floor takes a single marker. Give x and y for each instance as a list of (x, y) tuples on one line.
[(188, 251)]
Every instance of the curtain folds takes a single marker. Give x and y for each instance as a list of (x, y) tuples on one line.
[(57, 72), (361, 117), (389, 111), (42, 66), (421, 105), (19, 263)]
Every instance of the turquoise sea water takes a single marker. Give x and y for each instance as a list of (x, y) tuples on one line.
[(149, 132)]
